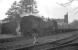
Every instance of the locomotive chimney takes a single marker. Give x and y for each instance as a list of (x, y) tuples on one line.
[(66, 18)]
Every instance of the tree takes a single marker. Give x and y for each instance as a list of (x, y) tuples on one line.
[(74, 24), (12, 12), (28, 6), (13, 17)]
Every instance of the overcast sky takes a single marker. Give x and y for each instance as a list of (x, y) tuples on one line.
[(4, 6), (48, 8)]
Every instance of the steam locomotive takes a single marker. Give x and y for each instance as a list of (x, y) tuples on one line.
[(33, 24)]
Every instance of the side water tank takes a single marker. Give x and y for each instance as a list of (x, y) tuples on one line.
[(26, 25), (29, 25)]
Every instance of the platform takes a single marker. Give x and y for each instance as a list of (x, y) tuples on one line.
[(3, 36)]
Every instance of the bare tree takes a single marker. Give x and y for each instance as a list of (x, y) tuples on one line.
[(68, 4)]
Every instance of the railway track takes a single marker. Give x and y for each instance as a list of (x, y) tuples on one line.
[(63, 43), (56, 44), (41, 46)]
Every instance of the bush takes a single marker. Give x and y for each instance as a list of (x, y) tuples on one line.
[(9, 28)]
